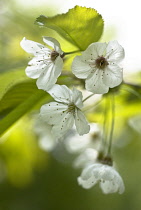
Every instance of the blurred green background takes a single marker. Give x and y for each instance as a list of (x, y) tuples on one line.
[(32, 179)]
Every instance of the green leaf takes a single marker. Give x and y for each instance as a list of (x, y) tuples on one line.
[(80, 26), (21, 109), (16, 95), (11, 78)]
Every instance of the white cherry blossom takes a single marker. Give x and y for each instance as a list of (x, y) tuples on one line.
[(65, 111), (86, 147), (46, 64), (98, 64), (46, 139), (87, 157), (109, 179), (77, 144)]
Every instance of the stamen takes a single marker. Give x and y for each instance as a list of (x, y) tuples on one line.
[(101, 62), (54, 55), (71, 108)]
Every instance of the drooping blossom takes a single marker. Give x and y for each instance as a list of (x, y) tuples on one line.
[(109, 179)]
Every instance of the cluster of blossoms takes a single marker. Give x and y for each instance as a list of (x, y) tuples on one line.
[(99, 66)]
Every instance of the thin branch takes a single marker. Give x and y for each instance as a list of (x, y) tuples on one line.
[(112, 124), (88, 97)]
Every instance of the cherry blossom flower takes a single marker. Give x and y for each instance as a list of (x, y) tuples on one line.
[(47, 63), (77, 144), (65, 111), (109, 178), (98, 64), (46, 139), (86, 147), (87, 157)]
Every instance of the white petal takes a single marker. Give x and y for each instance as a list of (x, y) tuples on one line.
[(63, 125), (53, 43), (108, 187), (43, 130), (89, 156), (40, 58), (33, 72), (50, 74), (94, 83), (35, 68), (53, 112), (58, 66), (80, 67), (47, 142), (32, 47), (121, 188), (87, 184), (61, 93), (81, 123), (77, 98), (77, 143), (46, 79), (94, 51), (114, 185), (114, 51), (111, 187), (112, 76), (87, 179)]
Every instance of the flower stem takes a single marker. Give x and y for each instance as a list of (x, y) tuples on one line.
[(67, 53), (131, 84), (131, 90), (112, 124), (88, 97), (104, 133), (91, 107)]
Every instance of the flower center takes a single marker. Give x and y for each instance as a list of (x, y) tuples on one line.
[(54, 55), (101, 62), (71, 108)]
